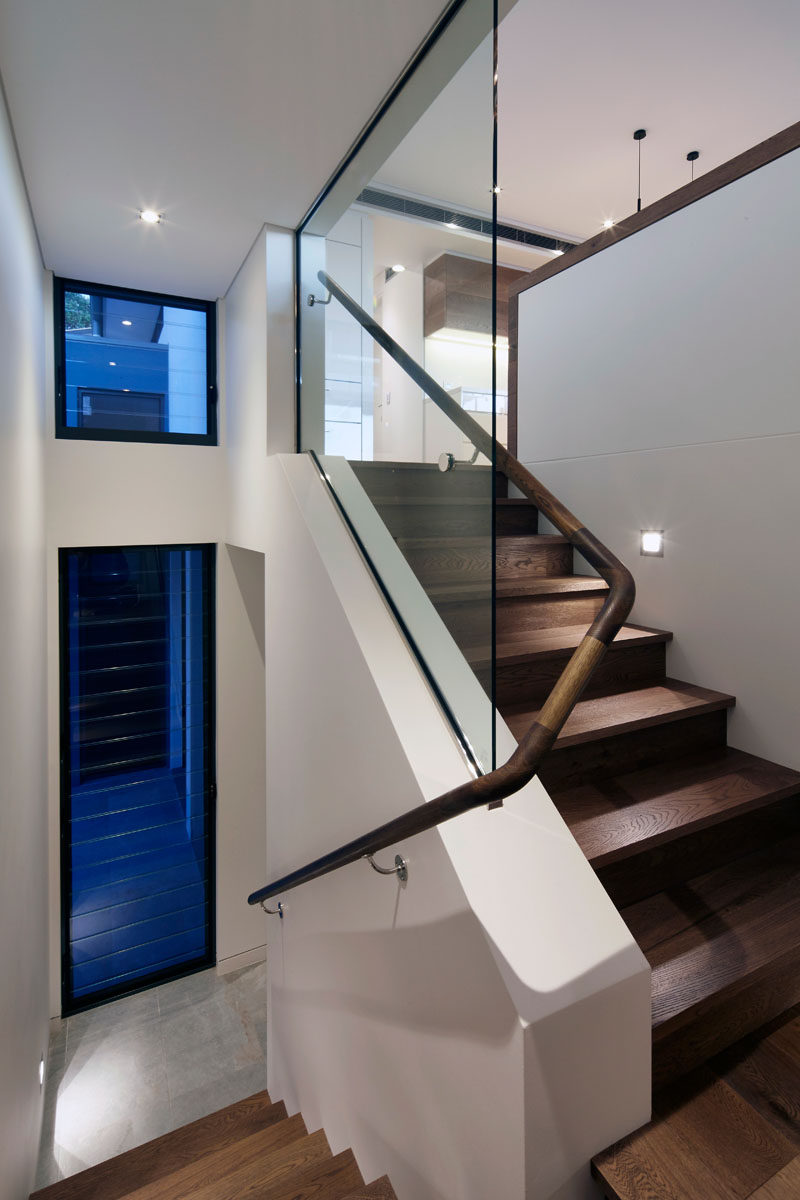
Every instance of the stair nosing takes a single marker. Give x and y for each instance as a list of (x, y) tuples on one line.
[(730, 760), (721, 700)]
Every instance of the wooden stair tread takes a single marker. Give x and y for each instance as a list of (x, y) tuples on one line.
[(379, 1189), (135, 1168), (607, 715), (383, 464), (703, 1141), (334, 1178), (286, 1142), (470, 541), (520, 585), (270, 1177), (719, 931), (432, 502), (557, 642), (618, 817)]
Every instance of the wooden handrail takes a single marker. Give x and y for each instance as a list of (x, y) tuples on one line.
[(493, 788)]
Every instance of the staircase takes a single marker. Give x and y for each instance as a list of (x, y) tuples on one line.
[(248, 1149), (697, 843)]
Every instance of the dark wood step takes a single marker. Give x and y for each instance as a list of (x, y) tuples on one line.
[(334, 1179), (416, 480), (705, 1141), (613, 715), (529, 664), (276, 1176), (136, 1168), (616, 818), (663, 866), (268, 1154), (432, 517), (515, 517), (521, 604), (381, 1189), (443, 560), (724, 949)]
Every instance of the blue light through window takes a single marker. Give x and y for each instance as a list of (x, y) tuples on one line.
[(134, 366)]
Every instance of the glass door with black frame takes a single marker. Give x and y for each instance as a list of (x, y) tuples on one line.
[(136, 767)]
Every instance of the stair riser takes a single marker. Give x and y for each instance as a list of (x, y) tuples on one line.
[(547, 612), (380, 480), (446, 564), (664, 866), (516, 557), (572, 766), (514, 519), (445, 520), (470, 620), (624, 667)]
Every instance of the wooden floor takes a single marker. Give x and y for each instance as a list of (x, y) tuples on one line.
[(249, 1149), (728, 1131)]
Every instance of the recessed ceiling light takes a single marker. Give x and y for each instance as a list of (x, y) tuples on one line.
[(127, 322), (112, 364), (126, 389), (608, 223), (150, 216), (397, 268), (556, 253)]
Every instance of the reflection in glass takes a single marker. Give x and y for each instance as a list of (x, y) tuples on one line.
[(134, 366)]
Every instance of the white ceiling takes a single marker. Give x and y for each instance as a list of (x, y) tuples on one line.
[(220, 115), (415, 244), (223, 116), (576, 77)]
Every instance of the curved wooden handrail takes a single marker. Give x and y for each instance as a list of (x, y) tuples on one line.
[(493, 788)]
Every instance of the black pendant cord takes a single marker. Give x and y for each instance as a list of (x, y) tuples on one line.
[(638, 136)]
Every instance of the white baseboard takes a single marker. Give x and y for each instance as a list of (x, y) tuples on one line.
[(245, 959)]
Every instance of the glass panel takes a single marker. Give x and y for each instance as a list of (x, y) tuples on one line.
[(133, 365), (136, 765), (397, 282)]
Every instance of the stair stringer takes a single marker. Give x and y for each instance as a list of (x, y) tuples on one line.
[(483, 1030)]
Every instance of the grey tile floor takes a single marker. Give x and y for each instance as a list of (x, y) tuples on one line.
[(133, 1069)]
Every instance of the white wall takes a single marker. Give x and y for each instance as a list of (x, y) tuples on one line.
[(241, 759), (257, 377), (399, 402), (23, 791), (484, 1029), (658, 385), (349, 349)]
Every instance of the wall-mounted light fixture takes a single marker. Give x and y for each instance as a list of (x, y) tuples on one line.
[(652, 543)]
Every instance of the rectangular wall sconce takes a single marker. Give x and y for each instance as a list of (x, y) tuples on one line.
[(652, 543)]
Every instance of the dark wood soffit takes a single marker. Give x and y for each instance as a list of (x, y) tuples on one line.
[(757, 156)]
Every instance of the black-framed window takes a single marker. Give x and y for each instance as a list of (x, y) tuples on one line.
[(134, 366)]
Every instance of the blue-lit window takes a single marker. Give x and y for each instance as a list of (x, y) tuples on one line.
[(137, 761), (134, 366)]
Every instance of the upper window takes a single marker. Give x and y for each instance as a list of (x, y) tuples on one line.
[(134, 366)]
